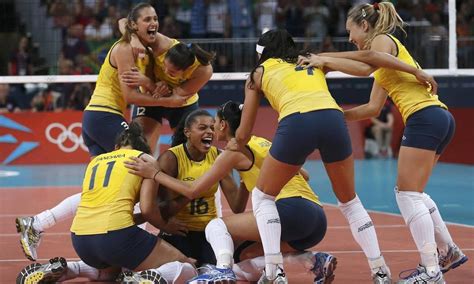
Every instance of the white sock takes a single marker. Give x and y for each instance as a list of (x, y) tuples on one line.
[(249, 269), (77, 269), (442, 236), (66, 209), (176, 272), (362, 227), (269, 227), (221, 242), (417, 217), (136, 210)]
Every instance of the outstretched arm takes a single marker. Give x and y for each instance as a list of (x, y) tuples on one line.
[(378, 96), (249, 112), (327, 64), (385, 60)]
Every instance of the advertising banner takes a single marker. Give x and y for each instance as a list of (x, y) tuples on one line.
[(42, 138)]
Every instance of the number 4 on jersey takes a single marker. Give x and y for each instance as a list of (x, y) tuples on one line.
[(309, 71)]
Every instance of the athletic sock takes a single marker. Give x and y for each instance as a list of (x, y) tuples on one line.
[(66, 209)]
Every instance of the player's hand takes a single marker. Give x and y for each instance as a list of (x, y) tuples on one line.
[(133, 78), (427, 80), (175, 227), (233, 145), (143, 167), (312, 60), (138, 48), (161, 90)]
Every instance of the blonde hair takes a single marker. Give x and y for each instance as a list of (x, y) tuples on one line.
[(381, 17)]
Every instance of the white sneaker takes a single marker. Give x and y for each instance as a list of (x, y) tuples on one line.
[(280, 278), (419, 275), (454, 258)]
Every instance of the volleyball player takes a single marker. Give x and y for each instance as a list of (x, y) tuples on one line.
[(104, 233), (309, 119), (103, 119), (303, 219), (429, 127), (190, 157), (178, 69)]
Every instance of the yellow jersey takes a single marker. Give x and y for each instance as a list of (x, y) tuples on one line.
[(297, 186), (201, 210), (107, 95), (291, 89), (175, 81), (406, 92), (109, 193)]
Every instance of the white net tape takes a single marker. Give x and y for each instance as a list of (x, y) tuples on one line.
[(49, 79)]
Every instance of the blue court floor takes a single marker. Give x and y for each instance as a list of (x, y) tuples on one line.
[(451, 185)]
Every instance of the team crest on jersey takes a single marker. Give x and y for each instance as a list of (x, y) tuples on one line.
[(189, 179)]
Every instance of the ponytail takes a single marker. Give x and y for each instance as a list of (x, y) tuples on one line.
[(231, 112), (133, 137), (183, 55), (381, 17)]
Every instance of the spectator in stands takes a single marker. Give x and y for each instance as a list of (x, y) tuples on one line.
[(74, 42), (242, 26), (198, 22), (289, 15), (44, 100), (265, 11), (170, 27), (316, 14), (218, 21), (7, 102), (20, 60), (380, 130), (98, 29)]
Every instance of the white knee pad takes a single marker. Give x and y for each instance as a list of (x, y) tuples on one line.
[(216, 225), (260, 198), (353, 210), (411, 205)]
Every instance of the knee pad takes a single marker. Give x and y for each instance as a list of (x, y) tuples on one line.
[(259, 198), (411, 205), (216, 225), (353, 210)]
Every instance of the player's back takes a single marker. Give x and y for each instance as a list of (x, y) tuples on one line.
[(291, 89), (109, 193)]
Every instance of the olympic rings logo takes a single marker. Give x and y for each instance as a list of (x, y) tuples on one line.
[(64, 135)]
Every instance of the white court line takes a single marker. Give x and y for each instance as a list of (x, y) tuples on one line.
[(332, 252), (20, 187), (67, 233)]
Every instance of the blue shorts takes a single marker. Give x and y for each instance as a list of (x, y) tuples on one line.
[(126, 248), (431, 128), (299, 134), (173, 115), (303, 224), (194, 245), (100, 129)]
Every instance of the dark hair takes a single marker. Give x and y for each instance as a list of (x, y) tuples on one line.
[(186, 122), (230, 112), (277, 43), (133, 136), (381, 17), (183, 55), (133, 16)]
